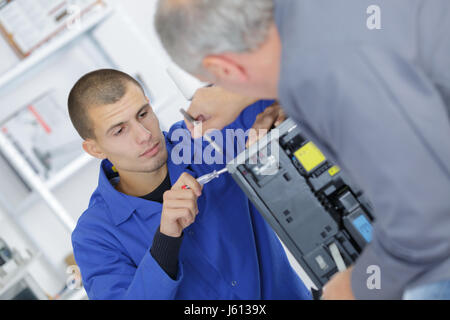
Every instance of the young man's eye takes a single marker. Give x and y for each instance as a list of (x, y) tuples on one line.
[(118, 132), (143, 115)]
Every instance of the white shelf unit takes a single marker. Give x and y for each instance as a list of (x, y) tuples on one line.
[(55, 181), (123, 46), (35, 182), (42, 190), (53, 46), (17, 275)]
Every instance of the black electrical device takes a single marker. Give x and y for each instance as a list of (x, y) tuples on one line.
[(321, 216)]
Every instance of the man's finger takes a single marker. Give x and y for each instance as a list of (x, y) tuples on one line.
[(189, 181), (182, 216), (252, 137), (266, 119), (180, 204), (281, 118), (199, 130), (189, 126), (180, 194), (263, 123)]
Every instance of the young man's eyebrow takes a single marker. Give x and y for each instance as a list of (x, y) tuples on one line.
[(114, 126), (147, 105)]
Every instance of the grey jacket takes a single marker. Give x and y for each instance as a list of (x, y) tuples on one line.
[(377, 102)]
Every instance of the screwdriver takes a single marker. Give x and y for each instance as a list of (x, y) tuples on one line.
[(208, 177)]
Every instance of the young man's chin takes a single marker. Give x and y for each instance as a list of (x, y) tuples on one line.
[(157, 162)]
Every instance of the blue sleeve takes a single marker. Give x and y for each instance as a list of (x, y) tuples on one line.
[(231, 139), (108, 273)]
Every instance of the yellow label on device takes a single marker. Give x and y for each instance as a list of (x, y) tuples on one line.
[(309, 156), (334, 170)]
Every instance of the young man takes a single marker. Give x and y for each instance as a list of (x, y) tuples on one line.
[(146, 236)]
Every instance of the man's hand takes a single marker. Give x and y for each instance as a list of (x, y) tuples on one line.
[(272, 116), (180, 206), (339, 287), (215, 108)]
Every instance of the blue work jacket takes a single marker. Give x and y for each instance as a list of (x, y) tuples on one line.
[(229, 252)]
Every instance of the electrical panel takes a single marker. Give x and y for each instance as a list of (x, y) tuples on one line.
[(320, 215)]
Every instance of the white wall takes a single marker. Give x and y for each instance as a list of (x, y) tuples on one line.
[(141, 13)]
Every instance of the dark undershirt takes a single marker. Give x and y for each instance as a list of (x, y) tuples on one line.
[(157, 194), (164, 249)]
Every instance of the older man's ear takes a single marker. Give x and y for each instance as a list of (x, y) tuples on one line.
[(224, 69)]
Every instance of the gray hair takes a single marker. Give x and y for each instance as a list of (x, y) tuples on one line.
[(190, 30)]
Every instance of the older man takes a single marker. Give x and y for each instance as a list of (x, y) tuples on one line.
[(370, 85)]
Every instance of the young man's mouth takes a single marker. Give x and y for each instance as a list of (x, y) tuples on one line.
[(151, 152)]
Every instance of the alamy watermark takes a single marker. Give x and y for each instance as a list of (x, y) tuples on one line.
[(73, 281), (232, 142), (374, 280), (374, 20)]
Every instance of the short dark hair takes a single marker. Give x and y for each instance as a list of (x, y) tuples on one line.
[(97, 88)]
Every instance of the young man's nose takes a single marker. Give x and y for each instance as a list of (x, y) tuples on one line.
[(142, 134)]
